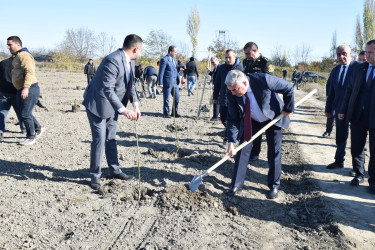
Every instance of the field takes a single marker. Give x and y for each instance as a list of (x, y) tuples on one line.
[(46, 201)]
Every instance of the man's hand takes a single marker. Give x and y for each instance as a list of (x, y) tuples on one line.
[(341, 116), (286, 114), (161, 86), (230, 150), (214, 101), (25, 93), (130, 114), (328, 115), (137, 112)]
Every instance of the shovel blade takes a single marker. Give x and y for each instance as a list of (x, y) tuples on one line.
[(194, 184)]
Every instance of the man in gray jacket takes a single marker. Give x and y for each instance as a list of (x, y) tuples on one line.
[(106, 96)]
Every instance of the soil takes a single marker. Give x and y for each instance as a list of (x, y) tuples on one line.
[(46, 201)]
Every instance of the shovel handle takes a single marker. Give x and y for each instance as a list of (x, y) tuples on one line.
[(257, 134)]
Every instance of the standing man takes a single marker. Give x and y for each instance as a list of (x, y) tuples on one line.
[(216, 109), (24, 80), (252, 104), (337, 84), (285, 73), (151, 77), (358, 109), (169, 81), (105, 98), (294, 75), (256, 63), (89, 70), (192, 75), (220, 89), (8, 95)]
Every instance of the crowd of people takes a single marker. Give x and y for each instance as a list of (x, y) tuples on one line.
[(246, 97)]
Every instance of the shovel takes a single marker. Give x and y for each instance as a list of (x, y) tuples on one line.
[(194, 184)]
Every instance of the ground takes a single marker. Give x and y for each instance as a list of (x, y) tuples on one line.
[(46, 201)]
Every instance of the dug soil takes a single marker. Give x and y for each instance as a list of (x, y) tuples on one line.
[(46, 201)]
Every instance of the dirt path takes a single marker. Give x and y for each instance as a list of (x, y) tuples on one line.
[(353, 208), (45, 200)]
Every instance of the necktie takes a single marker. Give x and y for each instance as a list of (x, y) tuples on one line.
[(247, 119), (370, 77), (341, 80)]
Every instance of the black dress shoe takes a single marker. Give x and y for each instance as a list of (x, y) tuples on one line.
[(357, 180), (40, 104), (372, 188), (335, 165), (232, 191), (166, 116), (177, 115), (273, 193), (122, 176), (326, 134), (352, 173), (253, 157), (95, 183)]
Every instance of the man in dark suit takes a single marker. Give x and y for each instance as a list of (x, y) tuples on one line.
[(216, 106), (358, 109), (169, 81), (260, 91), (337, 84), (106, 96)]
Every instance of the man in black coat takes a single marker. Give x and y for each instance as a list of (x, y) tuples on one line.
[(220, 89), (358, 109), (89, 70), (192, 75), (216, 106), (337, 84)]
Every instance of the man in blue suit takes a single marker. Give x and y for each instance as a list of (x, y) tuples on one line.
[(169, 81), (337, 84), (106, 96), (261, 92)]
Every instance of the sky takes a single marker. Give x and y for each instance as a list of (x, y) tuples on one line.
[(269, 23)]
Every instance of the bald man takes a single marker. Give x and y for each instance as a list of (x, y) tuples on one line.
[(336, 87)]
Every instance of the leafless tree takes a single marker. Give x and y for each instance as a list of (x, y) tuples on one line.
[(183, 51), (105, 44), (219, 46), (279, 57), (157, 43), (333, 45), (79, 43), (302, 55), (193, 25)]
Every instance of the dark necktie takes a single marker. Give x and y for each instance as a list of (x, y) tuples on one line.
[(370, 77), (341, 80), (247, 119)]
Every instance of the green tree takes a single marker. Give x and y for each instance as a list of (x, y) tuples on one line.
[(156, 44), (359, 44), (368, 21), (219, 46), (193, 25)]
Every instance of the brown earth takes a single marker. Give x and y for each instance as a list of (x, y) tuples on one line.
[(45, 200)]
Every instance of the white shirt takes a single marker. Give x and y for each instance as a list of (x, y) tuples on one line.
[(256, 112), (346, 70), (128, 76)]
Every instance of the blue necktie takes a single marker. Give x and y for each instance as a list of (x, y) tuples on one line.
[(370, 77)]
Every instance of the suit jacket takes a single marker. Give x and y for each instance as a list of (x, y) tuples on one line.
[(351, 105), (265, 88), (109, 89), (168, 72), (334, 91)]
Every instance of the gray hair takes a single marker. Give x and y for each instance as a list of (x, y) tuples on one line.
[(343, 47), (235, 77)]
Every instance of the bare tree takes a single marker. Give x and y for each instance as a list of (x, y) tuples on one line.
[(105, 44), (183, 51), (193, 25), (157, 43), (221, 44), (79, 43), (279, 57), (302, 55), (333, 45), (4, 52)]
